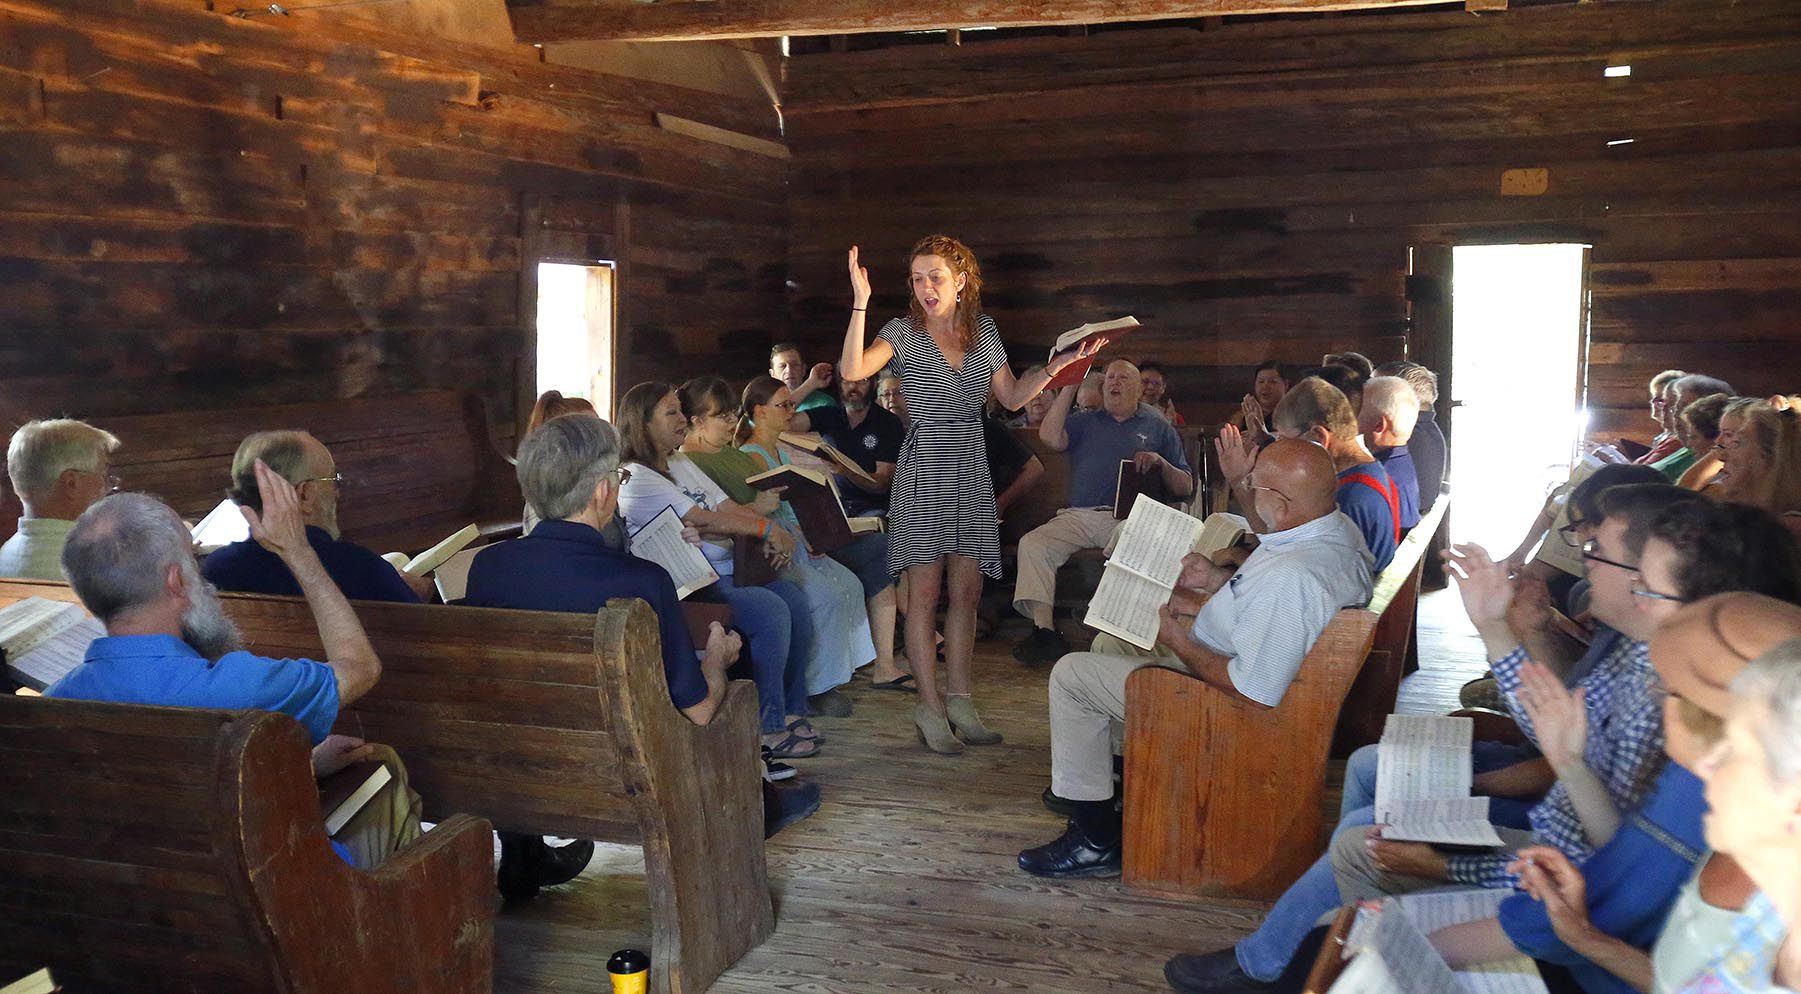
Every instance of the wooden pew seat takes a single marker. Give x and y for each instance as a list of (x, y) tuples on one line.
[(419, 466), (175, 849), (1222, 797), (561, 724)]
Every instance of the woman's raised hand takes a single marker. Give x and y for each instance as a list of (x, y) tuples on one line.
[(1484, 584), (859, 281), (1084, 349)]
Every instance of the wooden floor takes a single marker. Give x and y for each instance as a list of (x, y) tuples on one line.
[(905, 880)]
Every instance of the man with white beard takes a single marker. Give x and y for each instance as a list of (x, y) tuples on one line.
[(168, 641)]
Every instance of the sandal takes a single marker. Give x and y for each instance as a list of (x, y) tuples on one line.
[(903, 683), (803, 729), (791, 747)]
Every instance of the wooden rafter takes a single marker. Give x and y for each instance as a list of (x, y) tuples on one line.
[(687, 20)]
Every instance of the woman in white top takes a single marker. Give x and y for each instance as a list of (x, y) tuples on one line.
[(776, 615)]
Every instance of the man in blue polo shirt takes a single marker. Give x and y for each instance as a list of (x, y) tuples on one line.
[(569, 473), (168, 641), (1122, 430), (306, 464)]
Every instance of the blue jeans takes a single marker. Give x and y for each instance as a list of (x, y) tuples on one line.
[(868, 558), (1510, 812), (1265, 953), (774, 618)]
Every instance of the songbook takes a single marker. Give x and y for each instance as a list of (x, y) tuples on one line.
[(1633, 451), (1392, 938), (435, 556), (1130, 483), (661, 542), (452, 578), (814, 498), (1554, 551), (348, 791), (222, 526), (1141, 571), (700, 616), (1072, 374), (832, 457), (750, 562), (1423, 782), (44, 639)]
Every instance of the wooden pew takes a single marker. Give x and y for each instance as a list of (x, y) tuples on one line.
[(419, 465), (175, 849), (1223, 797), (561, 724)]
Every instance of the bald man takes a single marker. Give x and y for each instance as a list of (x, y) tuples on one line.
[(307, 465), (1243, 633)]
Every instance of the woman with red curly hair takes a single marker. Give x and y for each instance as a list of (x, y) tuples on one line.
[(942, 520)]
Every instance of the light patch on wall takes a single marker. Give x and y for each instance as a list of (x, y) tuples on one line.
[(1621, 141), (1614, 72), (1525, 182)]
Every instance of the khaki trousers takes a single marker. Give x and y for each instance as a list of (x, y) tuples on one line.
[(1359, 879), (1047, 547), (388, 822), (1088, 712)]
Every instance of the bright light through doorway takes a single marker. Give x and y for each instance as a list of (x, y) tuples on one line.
[(575, 332), (1516, 340)]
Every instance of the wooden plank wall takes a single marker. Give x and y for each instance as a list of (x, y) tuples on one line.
[(201, 210), (1252, 191)]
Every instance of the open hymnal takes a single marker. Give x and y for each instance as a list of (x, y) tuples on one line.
[(1556, 551), (1072, 374), (452, 575), (349, 790), (45, 639), (1141, 571), (1396, 956), (661, 542), (1423, 782), (435, 556), (814, 497), (832, 458), (222, 526)]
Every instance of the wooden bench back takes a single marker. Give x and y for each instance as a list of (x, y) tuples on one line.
[(174, 849), (419, 465), (561, 724)]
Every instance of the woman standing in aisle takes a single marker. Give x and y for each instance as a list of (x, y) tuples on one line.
[(942, 518)]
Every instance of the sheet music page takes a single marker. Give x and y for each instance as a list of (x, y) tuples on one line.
[(661, 542), (27, 624), (1126, 605), (452, 577), (1422, 757), (1434, 910), (54, 657), (1153, 541), (1513, 976), (1404, 950), (1461, 821), (223, 525), (1366, 974)]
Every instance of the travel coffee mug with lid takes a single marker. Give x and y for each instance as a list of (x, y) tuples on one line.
[(629, 970)]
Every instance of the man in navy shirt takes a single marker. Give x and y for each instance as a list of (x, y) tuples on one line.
[(168, 641), (869, 435), (1390, 409), (1319, 412), (306, 464), (1122, 429), (569, 473)]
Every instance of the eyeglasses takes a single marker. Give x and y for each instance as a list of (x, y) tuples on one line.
[(112, 480), (1640, 590), (1255, 487), (337, 478), (624, 475), (1589, 555)]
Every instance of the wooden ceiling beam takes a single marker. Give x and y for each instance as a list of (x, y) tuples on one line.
[(692, 20)]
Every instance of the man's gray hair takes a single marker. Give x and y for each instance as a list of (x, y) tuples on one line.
[(1698, 385), (118, 555), (562, 462), (1773, 680), (1395, 398), (284, 452), (41, 451)]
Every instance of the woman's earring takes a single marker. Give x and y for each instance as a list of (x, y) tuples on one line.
[(959, 296)]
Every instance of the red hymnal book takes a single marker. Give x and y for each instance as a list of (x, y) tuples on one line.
[(1072, 374)]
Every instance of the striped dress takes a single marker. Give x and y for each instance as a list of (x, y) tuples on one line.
[(942, 501)]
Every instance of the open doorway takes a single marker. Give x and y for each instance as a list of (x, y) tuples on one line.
[(1518, 335), (575, 332)]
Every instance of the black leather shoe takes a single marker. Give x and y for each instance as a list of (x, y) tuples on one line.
[(1044, 645), (528, 863), (561, 864), (1071, 855), (1211, 973), (1058, 805), (787, 804)]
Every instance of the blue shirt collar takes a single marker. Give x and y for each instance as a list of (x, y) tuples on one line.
[(139, 647), (571, 531)]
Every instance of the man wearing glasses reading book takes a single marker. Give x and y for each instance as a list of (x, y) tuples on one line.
[(306, 464)]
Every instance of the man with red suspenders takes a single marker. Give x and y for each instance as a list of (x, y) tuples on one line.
[(1319, 412)]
